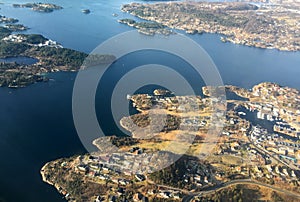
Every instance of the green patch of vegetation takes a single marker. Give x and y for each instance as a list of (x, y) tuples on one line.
[(61, 57), (172, 175), (123, 141), (4, 32), (140, 25), (35, 39), (175, 175), (9, 49)]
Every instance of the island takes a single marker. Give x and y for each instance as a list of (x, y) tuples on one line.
[(41, 7), (50, 55), (264, 25), (248, 162), (16, 27), (4, 19)]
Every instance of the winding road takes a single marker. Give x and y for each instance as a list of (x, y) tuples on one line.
[(190, 196)]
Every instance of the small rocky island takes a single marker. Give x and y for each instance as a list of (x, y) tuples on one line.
[(41, 7)]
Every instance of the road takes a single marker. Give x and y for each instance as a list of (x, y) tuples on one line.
[(209, 190), (189, 197)]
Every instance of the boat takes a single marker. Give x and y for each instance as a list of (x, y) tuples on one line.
[(270, 117), (260, 115), (86, 11), (242, 113)]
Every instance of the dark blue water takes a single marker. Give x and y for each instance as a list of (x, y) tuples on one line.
[(36, 123), (252, 117), (20, 60), (238, 65), (36, 126), (117, 71)]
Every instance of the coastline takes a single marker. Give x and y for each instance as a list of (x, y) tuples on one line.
[(99, 167), (254, 34), (42, 172)]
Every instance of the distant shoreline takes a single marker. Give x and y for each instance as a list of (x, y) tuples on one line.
[(239, 23)]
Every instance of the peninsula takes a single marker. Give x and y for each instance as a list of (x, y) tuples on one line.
[(264, 25), (247, 162)]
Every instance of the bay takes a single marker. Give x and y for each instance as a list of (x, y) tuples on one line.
[(36, 122)]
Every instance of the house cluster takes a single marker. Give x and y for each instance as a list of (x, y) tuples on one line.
[(102, 168), (195, 123), (284, 96), (235, 126), (264, 30), (281, 117), (179, 103), (18, 38), (286, 129), (278, 145), (240, 170), (135, 160), (231, 148), (15, 38), (265, 110), (198, 175), (277, 173), (169, 194)]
